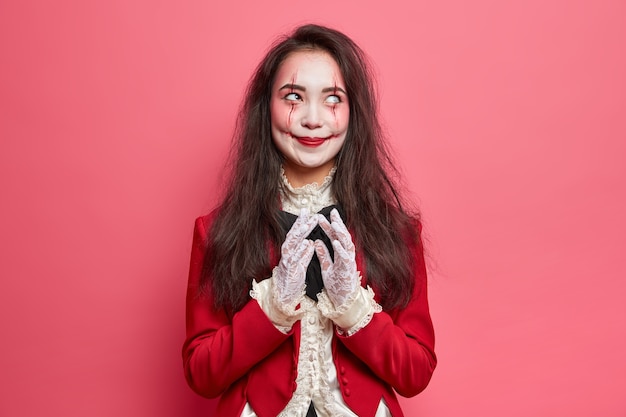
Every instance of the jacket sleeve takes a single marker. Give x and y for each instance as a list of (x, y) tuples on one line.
[(398, 346), (220, 348)]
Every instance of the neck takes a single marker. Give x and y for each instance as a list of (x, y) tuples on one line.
[(299, 176)]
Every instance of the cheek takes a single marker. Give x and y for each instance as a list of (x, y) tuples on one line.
[(281, 115), (341, 115), (277, 116), (336, 146)]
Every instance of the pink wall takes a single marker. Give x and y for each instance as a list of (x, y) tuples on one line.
[(509, 122)]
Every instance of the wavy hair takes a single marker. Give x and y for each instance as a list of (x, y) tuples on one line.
[(246, 222)]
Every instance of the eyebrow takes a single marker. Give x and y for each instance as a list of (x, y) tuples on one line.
[(290, 86)]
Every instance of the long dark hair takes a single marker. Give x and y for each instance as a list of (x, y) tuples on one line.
[(246, 223)]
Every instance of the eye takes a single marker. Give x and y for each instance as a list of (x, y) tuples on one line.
[(292, 97), (333, 99)]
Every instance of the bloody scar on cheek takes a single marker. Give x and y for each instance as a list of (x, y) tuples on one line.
[(334, 107), (293, 82)]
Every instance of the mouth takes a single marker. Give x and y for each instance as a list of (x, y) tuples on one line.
[(311, 142)]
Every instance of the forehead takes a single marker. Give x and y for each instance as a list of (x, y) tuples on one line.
[(310, 66)]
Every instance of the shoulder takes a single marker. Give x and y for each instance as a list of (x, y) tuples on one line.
[(412, 231), (204, 223), (202, 233)]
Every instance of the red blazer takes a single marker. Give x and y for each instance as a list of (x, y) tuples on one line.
[(243, 358)]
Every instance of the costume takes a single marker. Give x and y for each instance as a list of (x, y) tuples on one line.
[(247, 360)]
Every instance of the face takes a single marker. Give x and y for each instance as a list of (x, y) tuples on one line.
[(309, 115)]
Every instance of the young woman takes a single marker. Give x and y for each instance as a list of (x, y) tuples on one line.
[(307, 286)]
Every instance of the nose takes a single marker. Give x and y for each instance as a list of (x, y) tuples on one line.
[(311, 119)]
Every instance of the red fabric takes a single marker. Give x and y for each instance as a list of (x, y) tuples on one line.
[(243, 357)]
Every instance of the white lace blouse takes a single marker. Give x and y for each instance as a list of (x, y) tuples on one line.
[(317, 376)]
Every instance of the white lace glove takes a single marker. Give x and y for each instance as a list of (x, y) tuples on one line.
[(288, 278), (341, 279)]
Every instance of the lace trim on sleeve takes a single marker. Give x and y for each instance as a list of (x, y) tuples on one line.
[(283, 317), (374, 308), (354, 314)]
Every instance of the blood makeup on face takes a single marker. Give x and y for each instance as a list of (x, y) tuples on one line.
[(309, 111), (293, 82)]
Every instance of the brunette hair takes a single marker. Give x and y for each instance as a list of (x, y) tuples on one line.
[(246, 223)]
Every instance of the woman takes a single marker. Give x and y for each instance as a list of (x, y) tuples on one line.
[(307, 286)]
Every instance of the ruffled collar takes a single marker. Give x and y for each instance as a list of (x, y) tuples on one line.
[(312, 196), (308, 188)]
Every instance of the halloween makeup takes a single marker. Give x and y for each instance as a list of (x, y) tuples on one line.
[(309, 115)]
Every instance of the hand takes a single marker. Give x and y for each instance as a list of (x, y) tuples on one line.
[(296, 253), (341, 278)]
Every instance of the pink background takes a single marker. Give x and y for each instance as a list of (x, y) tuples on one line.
[(508, 119)]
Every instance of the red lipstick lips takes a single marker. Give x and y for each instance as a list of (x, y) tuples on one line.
[(308, 141)]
